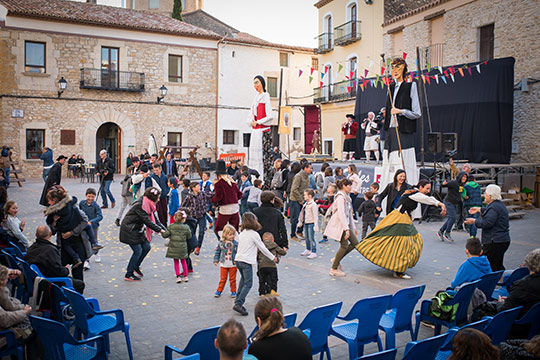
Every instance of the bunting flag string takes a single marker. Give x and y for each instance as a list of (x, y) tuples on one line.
[(310, 79), (300, 73), (478, 68), (340, 67), (311, 71)]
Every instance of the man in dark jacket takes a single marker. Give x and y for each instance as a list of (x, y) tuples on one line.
[(105, 168), (453, 204), (169, 166), (46, 256), (54, 178), (271, 219)]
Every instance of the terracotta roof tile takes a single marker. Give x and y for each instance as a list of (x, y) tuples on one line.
[(86, 13)]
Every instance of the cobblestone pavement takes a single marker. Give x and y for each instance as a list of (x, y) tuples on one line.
[(162, 312)]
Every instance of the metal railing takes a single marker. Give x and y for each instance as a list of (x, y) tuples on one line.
[(347, 33), (325, 43), (340, 91), (432, 55), (104, 79)]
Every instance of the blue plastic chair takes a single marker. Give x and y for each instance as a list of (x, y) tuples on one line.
[(424, 349), (446, 349), (500, 325), (17, 289), (15, 250), (362, 326), (169, 350), (531, 317), (290, 320), (382, 355), (319, 321), (11, 347), (488, 282), (202, 343), (517, 274), (60, 345), (462, 298), (66, 281), (30, 275), (91, 322), (398, 318)]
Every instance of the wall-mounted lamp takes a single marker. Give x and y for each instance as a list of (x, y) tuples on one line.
[(163, 92), (62, 84)]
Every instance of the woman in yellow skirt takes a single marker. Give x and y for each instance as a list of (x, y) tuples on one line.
[(395, 244)]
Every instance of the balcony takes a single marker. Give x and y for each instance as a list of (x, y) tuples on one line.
[(340, 91), (347, 33), (325, 43), (104, 79), (432, 55)]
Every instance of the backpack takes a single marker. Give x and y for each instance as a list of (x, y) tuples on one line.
[(438, 310), (277, 180)]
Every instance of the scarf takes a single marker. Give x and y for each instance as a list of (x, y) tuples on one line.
[(149, 207)]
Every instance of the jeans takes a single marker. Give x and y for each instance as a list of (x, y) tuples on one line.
[(139, 253), (354, 205), (295, 209), (310, 237), (246, 282), (473, 230), (6, 175), (201, 224), (252, 206), (106, 191), (460, 215), (46, 173), (451, 219)]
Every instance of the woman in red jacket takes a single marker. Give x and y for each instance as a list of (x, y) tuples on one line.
[(226, 197)]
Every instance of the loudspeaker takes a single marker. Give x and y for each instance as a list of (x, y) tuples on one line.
[(247, 139), (433, 142), (449, 141)]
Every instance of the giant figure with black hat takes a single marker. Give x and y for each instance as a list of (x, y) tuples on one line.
[(53, 178), (402, 110), (349, 129), (260, 118)]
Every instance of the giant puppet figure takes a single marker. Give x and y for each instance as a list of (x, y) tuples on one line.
[(402, 110), (260, 118)]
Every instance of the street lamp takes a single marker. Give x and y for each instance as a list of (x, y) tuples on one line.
[(163, 92), (62, 83)]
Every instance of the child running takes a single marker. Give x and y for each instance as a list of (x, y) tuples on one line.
[(367, 211), (91, 208), (310, 217), (177, 250), (248, 243), (225, 256), (267, 273)]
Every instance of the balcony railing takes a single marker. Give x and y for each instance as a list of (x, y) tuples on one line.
[(340, 91), (325, 43), (432, 55), (104, 79), (348, 33)]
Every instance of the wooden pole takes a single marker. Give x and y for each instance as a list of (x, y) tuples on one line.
[(421, 112)]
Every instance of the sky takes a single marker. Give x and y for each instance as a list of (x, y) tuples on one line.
[(292, 22)]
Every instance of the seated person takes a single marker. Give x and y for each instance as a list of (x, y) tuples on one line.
[(472, 344), (474, 267), (46, 256), (231, 341)]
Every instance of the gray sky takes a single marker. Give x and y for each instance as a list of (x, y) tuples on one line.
[(292, 22)]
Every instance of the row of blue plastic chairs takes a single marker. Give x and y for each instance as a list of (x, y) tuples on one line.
[(391, 314)]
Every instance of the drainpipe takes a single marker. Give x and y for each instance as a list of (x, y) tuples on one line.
[(217, 95)]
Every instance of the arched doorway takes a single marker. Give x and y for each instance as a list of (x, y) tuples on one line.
[(108, 137)]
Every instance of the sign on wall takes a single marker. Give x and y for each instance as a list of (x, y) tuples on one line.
[(17, 113)]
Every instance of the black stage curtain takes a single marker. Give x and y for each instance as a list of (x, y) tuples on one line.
[(478, 107)]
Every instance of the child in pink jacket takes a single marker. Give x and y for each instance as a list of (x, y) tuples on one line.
[(309, 216)]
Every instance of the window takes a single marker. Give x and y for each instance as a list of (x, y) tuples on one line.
[(328, 146), (174, 139), (486, 42), (175, 68), (271, 86), (229, 137), (34, 57), (352, 68), (297, 134), (109, 67), (315, 63), (283, 59), (153, 4), (437, 30), (35, 141)]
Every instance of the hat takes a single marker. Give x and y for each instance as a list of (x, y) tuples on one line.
[(350, 116), (493, 191), (61, 157), (221, 168)]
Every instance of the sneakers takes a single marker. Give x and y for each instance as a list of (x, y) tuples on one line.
[(300, 235), (402, 276), (197, 251), (186, 279), (97, 258), (217, 294), (178, 279), (312, 256), (138, 272), (440, 235), (273, 293), (336, 272), (323, 240), (305, 253), (132, 277), (240, 309), (117, 222), (294, 238), (448, 237), (112, 205), (97, 247), (233, 294), (86, 265)]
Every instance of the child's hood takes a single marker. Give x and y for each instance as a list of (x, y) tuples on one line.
[(269, 244), (472, 184), (68, 200)]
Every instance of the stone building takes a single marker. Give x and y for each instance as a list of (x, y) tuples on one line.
[(450, 32), (163, 7), (114, 62), (349, 41)]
